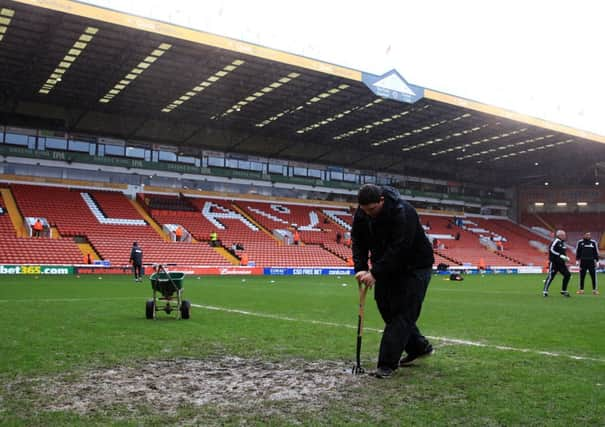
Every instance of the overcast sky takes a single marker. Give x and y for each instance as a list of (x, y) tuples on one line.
[(541, 58)]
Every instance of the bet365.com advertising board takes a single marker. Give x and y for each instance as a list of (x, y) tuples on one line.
[(37, 269)]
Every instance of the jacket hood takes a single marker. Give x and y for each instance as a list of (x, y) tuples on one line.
[(391, 193), (392, 202)]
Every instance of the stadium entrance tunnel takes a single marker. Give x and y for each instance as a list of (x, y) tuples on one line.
[(166, 385)]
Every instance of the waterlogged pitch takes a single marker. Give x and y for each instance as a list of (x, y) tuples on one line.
[(279, 350)]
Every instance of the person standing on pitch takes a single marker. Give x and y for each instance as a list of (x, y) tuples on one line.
[(389, 229), (136, 258), (557, 256), (587, 254)]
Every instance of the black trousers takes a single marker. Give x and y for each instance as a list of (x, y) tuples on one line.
[(553, 269), (136, 268), (399, 302), (588, 265)]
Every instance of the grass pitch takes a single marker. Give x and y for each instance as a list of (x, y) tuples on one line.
[(277, 351)]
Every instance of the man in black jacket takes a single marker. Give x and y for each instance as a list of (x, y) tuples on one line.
[(587, 254), (136, 258), (557, 257), (389, 229)]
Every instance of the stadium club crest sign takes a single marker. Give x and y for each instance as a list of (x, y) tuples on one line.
[(392, 86)]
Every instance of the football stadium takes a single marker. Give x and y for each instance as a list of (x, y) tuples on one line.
[(180, 216)]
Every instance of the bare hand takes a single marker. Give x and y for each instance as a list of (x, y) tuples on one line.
[(366, 277), (359, 275)]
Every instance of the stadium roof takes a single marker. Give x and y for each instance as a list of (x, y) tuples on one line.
[(87, 70)]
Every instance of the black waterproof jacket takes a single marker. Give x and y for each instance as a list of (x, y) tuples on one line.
[(395, 239)]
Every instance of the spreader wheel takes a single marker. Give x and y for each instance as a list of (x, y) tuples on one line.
[(185, 309), (150, 309)]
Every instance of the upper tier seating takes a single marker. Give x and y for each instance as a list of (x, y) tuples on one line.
[(517, 241), (237, 222), (165, 202), (570, 222), (575, 224), (313, 224), (19, 250), (467, 250), (68, 211), (6, 226), (111, 223)]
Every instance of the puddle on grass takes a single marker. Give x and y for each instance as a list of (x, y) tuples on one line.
[(172, 383)]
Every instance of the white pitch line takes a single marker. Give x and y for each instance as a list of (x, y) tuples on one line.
[(442, 339)]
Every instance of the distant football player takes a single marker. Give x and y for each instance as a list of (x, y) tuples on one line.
[(136, 258), (557, 257), (587, 255)]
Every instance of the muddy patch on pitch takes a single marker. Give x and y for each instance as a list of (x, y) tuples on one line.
[(167, 385)]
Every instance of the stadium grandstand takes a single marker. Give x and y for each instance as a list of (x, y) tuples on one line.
[(116, 129)]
